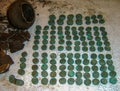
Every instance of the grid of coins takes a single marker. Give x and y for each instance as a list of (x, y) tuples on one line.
[(80, 54), (21, 71), (35, 55), (15, 81)]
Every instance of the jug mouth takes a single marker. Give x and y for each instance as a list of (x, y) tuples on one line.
[(27, 12)]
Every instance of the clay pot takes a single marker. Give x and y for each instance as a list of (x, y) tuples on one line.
[(21, 14)]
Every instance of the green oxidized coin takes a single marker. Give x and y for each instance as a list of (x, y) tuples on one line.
[(37, 37), (94, 68), (21, 72), (69, 22), (95, 28), (45, 37), (78, 16), (78, 61), (12, 79), (60, 48), (45, 41), (68, 43), (38, 27), (70, 55), (95, 74), (34, 67), (103, 68), (104, 74), (112, 73), (53, 27), (22, 65), (79, 68), (102, 62), (84, 43), (104, 81), (77, 55), (46, 27), (93, 62), (109, 62), (107, 48), (62, 73), (79, 81), (35, 47), (78, 74), (85, 61), (34, 73), (87, 82), (70, 67), (44, 73), (22, 59), (36, 42), (70, 61), (62, 55), (52, 32), (62, 67), (53, 81), (35, 61), (35, 54), (45, 32), (44, 81), (71, 73), (67, 27), (52, 61), (24, 54), (85, 56), (79, 22), (44, 67), (35, 80), (52, 17), (44, 60), (86, 68), (113, 80), (111, 67), (53, 55), (95, 81), (100, 49), (62, 80), (108, 56), (77, 48), (53, 67), (101, 21), (93, 56), (19, 82), (53, 74), (77, 43), (85, 49), (61, 41), (86, 75), (44, 55), (62, 61), (100, 16), (81, 28), (71, 81), (92, 48), (44, 47), (101, 56), (52, 47)]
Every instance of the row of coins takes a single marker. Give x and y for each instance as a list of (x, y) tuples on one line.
[(78, 18), (21, 71), (35, 55), (16, 81)]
